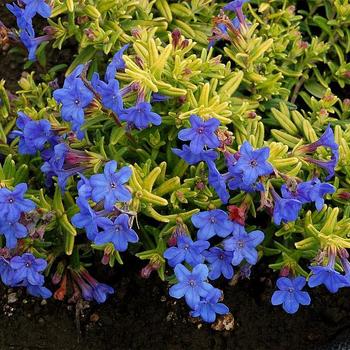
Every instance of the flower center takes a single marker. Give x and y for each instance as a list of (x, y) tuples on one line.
[(253, 163), (200, 130), (221, 256), (186, 246), (240, 244), (76, 101), (113, 185), (192, 283), (212, 220), (290, 290), (117, 228), (11, 200), (28, 264)]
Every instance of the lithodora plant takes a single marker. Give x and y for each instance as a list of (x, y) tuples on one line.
[(199, 136)]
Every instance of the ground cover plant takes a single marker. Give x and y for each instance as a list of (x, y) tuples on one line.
[(201, 137)]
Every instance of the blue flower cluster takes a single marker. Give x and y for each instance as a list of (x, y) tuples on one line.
[(206, 262), (288, 206), (60, 160), (12, 206), (75, 96), (25, 271), (244, 168), (108, 225), (24, 18), (220, 31), (326, 140), (91, 289), (290, 293)]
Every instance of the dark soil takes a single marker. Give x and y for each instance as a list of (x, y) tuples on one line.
[(141, 315)]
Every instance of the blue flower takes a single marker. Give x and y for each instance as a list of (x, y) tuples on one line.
[(300, 192), (117, 232), (326, 275), (156, 97), (74, 97), (285, 210), (218, 182), (30, 42), (326, 140), (12, 231), (234, 5), (100, 292), (192, 285), (65, 162), (110, 94), (220, 263), (253, 164), (290, 294), (140, 115), (84, 187), (27, 267), (310, 191), (13, 203), (86, 219), (186, 250), (211, 223), (38, 291), (117, 63), (23, 23), (209, 306), (36, 6), (109, 185), (201, 133), (189, 157), (327, 165), (243, 245), (6, 272), (33, 135)]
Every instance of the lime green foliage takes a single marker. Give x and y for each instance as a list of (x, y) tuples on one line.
[(278, 84)]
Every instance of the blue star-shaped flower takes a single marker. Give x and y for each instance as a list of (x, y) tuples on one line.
[(12, 231), (13, 203), (243, 245), (285, 210), (117, 63), (109, 92), (6, 272), (220, 263), (290, 294), (218, 182), (38, 291), (36, 6), (186, 250), (140, 115), (326, 275), (86, 218), (109, 186), (117, 232), (33, 135), (253, 163), (28, 268), (191, 284), (209, 306), (234, 5), (23, 23), (191, 158), (201, 133), (211, 223), (74, 98)]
